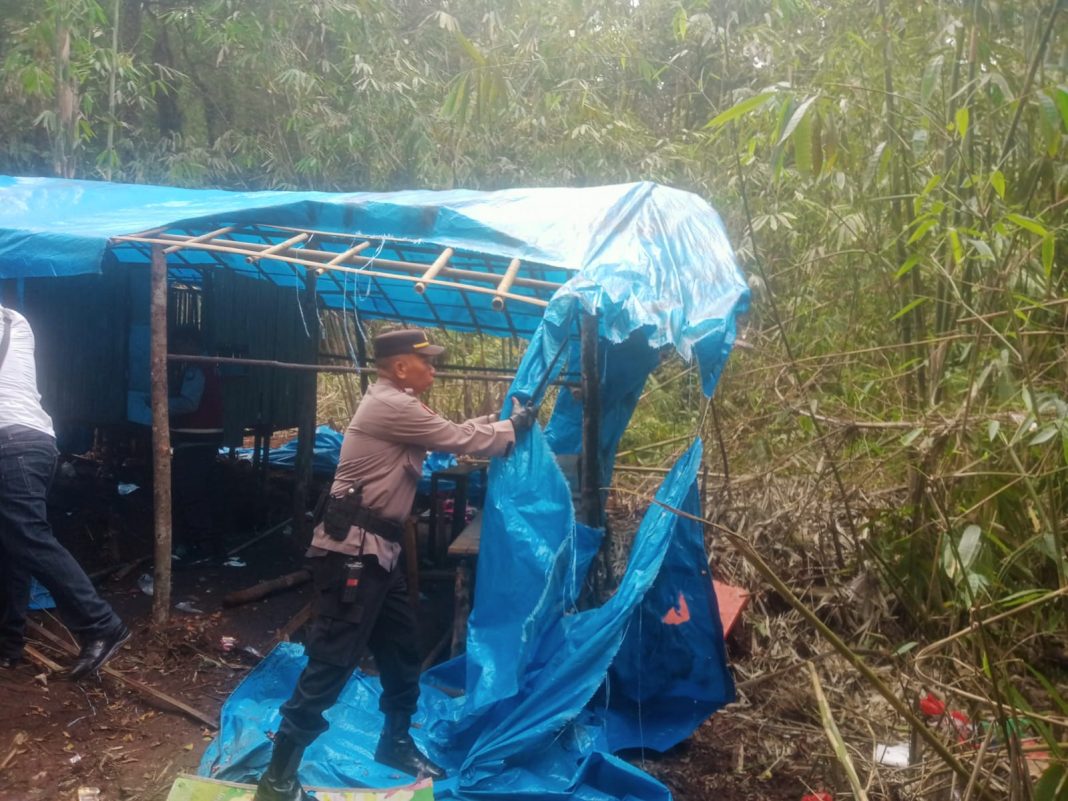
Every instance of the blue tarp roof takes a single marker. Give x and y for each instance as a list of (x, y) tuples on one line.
[(659, 256)]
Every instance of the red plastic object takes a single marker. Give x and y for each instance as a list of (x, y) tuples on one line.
[(731, 600), (932, 706), (817, 797)]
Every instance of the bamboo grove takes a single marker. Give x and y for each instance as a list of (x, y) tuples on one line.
[(893, 175)]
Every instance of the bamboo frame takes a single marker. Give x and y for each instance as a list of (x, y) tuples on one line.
[(412, 267), (241, 249)]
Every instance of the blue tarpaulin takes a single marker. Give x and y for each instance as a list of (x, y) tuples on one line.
[(546, 692)]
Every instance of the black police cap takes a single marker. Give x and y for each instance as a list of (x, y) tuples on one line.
[(405, 340)]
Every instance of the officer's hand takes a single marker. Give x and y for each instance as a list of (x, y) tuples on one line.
[(524, 415)]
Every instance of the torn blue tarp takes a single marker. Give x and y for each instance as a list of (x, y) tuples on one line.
[(536, 717)]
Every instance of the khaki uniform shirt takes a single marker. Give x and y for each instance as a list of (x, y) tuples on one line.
[(384, 448)]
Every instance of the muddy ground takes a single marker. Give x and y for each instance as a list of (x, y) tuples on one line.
[(58, 736)]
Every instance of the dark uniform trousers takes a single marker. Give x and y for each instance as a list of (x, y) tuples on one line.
[(377, 616)]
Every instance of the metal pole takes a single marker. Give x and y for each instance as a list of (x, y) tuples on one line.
[(307, 407), (161, 439)]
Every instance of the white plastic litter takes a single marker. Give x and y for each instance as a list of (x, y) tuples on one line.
[(894, 756), (126, 489), (147, 585)]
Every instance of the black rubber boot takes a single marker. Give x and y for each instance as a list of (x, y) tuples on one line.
[(280, 782), (397, 749)]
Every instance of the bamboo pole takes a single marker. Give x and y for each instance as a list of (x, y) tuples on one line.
[(343, 255), (161, 439), (270, 250), (435, 268), (506, 284), (202, 238), (340, 368)]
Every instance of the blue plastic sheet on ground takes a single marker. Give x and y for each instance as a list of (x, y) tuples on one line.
[(40, 598), (533, 721)]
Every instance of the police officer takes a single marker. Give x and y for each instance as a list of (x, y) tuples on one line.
[(355, 558)]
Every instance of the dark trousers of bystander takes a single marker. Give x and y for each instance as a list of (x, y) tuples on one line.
[(193, 475), (380, 619), (29, 548)]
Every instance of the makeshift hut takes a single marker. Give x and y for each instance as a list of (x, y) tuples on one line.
[(599, 278)]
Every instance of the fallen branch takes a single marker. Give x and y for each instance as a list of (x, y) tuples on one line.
[(139, 686), (295, 622), (835, 736), (265, 588)]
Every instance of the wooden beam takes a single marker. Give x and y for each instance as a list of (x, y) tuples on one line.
[(161, 440)]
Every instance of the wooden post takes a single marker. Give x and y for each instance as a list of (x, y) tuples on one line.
[(306, 414), (592, 511), (591, 500), (161, 439)]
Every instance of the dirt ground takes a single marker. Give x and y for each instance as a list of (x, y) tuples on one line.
[(58, 736)]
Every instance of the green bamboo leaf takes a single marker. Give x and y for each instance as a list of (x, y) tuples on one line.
[(1045, 434), (992, 429), (909, 307), (1052, 785), (921, 230), (906, 268), (982, 249), (1034, 226), (1049, 122), (740, 109), (958, 248), (997, 180), (469, 47), (961, 118), (803, 146), (795, 120), (1060, 98), (971, 543), (1048, 246), (931, 77)]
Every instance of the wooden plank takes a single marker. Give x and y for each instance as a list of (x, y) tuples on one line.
[(470, 539)]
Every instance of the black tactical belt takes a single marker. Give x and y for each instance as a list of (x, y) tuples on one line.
[(369, 521)]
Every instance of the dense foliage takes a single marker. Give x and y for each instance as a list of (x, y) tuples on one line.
[(892, 172)]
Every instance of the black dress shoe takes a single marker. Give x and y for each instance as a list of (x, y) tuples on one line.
[(96, 652)]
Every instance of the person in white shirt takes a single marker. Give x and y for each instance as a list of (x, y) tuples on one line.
[(28, 548)]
